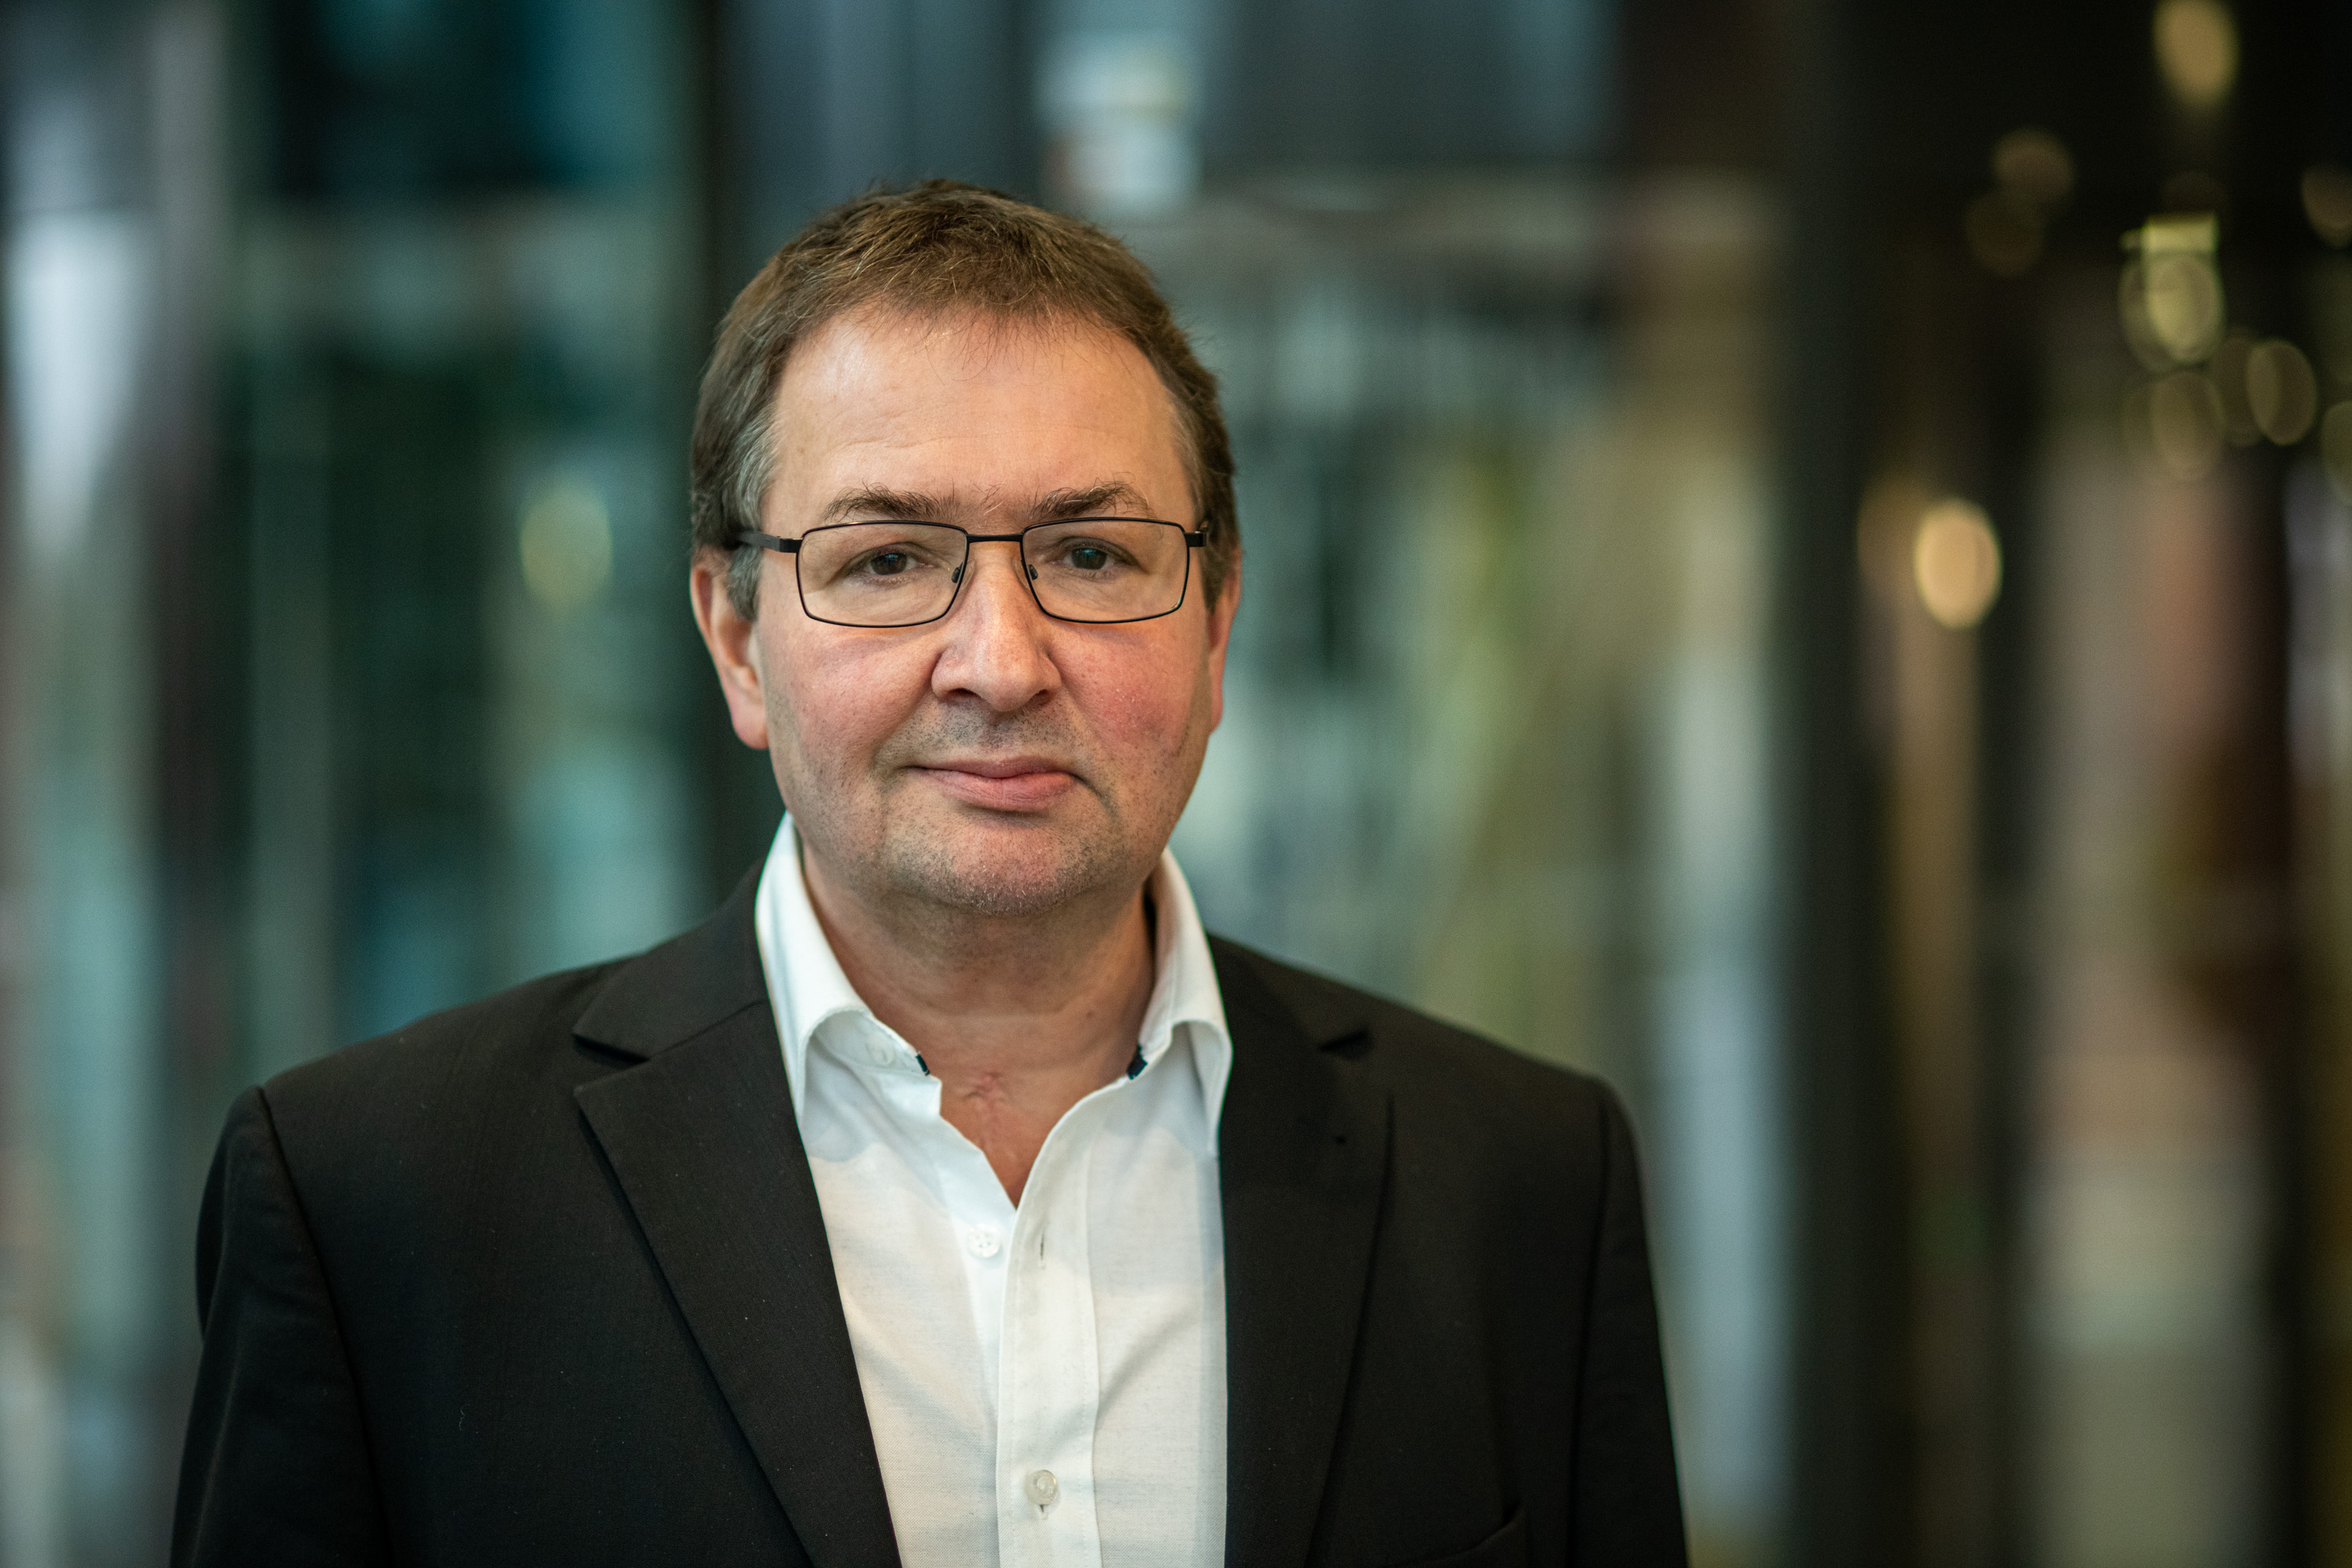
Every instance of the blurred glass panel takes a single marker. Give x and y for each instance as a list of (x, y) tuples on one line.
[(81, 1298), (2149, 1201), (462, 521), (2087, 934)]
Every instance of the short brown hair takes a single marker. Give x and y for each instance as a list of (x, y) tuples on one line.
[(939, 246)]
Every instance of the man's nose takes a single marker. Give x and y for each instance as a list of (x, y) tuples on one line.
[(997, 637)]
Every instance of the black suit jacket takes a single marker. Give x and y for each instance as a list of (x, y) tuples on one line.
[(543, 1280)]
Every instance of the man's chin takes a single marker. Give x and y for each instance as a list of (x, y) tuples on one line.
[(1007, 868)]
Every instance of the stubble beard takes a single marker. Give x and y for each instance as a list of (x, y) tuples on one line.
[(922, 857), (1058, 869)]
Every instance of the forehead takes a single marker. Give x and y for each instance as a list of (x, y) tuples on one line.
[(966, 405)]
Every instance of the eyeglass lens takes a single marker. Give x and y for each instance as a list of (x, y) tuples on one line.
[(903, 573)]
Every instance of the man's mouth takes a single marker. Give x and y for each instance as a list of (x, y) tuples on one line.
[(1002, 783)]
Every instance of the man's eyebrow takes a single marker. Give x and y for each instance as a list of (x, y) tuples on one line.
[(873, 503), (1113, 498)]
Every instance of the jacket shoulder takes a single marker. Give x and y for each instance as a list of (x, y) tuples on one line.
[(505, 1034), (1415, 1054), (524, 1035)]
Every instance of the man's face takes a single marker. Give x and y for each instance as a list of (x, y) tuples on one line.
[(997, 761)]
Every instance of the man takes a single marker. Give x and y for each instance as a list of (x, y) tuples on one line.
[(949, 1197)]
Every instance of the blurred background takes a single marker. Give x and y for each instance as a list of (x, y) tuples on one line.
[(1798, 557)]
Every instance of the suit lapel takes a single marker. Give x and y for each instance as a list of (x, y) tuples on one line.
[(703, 1139), (1303, 1158)]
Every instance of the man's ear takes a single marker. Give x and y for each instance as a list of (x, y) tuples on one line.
[(1221, 610), (729, 634)]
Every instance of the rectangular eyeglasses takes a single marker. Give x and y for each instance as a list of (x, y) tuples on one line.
[(1095, 570)]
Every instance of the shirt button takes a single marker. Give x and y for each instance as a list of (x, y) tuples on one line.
[(1042, 1488), (986, 1242)]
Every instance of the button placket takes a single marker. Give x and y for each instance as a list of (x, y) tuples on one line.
[(974, 1210), (1048, 1367)]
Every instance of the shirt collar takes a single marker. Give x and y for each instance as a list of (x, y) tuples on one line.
[(807, 988)]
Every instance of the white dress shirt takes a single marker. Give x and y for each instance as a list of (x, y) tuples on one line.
[(1045, 1381)]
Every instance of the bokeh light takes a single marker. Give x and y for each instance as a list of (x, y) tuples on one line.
[(2281, 394), (1956, 563), (566, 545), (2328, 202), (2173, 309), (2197, 48)]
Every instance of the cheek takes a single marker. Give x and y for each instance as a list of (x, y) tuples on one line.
[(835, 702), (1134, 705)]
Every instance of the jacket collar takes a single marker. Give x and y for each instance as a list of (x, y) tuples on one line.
[(683, 987)]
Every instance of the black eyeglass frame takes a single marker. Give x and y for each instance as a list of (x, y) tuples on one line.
[(1193, 539)]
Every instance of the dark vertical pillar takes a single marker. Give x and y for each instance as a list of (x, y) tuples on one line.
[(733, 126), (824, 98), (2291, 109), (194, 608), (1851, 1471), (2007, 841)]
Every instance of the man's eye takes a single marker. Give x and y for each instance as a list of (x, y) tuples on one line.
[(888, 563), (1089, 556)]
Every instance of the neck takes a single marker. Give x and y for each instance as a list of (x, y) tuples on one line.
[(1018, 1018)]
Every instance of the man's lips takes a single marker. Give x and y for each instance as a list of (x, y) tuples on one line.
[(1002, 783)]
